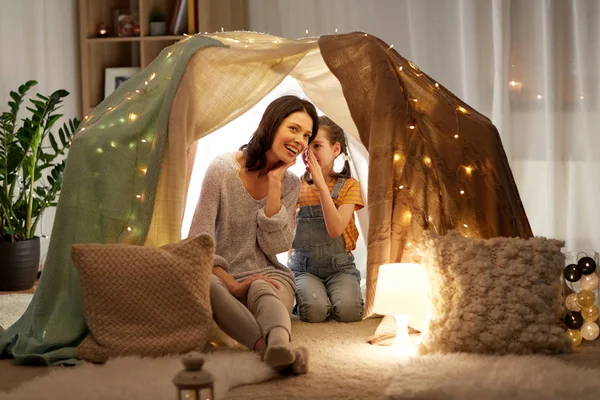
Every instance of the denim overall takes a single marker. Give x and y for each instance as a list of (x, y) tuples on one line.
[(327, 281)]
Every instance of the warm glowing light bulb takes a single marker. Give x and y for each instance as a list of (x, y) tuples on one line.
[(391, 47), (412, 127), (307, 33), (99, 150), (462, 109), (462, 192), (169, 54), (113, 144), (455, 136), (415, 100), (468, 170), (513, 83), (396, 157), (581, 97), (336, 31), (400, 69), (129, 229), (465, 225), (539, 96), (401, 187), (152, 76), (146, 83), (138, 196), (86, 117), (133, 116), (110, 108), (437, 85), (143, 140), (427, 161), (407, 215), (143, 169)]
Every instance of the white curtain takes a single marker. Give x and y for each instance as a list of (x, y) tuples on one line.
[(531, 66), (39, 40)]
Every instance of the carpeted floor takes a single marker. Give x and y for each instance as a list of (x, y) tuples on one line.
[(342, 366)]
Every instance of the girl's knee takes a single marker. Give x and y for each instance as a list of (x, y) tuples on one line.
[(314, 310), (348, 311)]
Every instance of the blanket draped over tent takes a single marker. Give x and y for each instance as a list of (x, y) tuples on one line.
[(434, 163)]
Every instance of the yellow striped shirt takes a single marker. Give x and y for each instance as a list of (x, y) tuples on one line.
[(349, 194)]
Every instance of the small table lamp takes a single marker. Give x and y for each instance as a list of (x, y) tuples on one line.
[(401, 291)]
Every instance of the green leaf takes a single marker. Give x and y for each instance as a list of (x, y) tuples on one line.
[(53, 143)]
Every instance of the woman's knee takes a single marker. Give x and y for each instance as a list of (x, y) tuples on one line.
[(348, 310)]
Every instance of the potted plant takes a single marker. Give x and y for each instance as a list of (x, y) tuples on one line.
[(31, 169), (158, 25)]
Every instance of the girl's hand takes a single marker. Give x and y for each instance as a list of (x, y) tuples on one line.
[(240, 290), (315, 171), (278, 172)]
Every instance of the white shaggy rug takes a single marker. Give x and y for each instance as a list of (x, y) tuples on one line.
[(464, 376), (12, 306), (136, 378)]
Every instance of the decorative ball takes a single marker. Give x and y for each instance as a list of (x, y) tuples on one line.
[(572, 273), (573, 320), (590, 313), (571, 302), (589, 282), (575, 337), (590, 331), (585, 298), (587, 265)]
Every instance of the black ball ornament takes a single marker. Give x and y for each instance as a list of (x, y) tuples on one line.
[(572, 273), (573, 320), (587, 265)]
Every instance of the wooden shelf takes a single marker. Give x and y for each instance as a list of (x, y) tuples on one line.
[(114, 39), (99, 53), (169, 38)]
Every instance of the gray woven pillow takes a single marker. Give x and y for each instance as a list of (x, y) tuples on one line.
[(500, 295), (145, 301)]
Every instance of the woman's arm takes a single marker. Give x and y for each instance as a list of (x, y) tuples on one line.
[(276, 232), (205, 215)]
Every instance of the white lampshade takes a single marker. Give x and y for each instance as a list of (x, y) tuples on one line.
[(401, 289)]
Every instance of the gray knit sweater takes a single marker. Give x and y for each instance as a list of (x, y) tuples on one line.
[(247, 241)]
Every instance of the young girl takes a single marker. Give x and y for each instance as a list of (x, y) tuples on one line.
[(327, 281), (247, 204)]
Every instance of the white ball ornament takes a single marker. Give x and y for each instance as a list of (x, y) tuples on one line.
[(590, 330), (589, 282), (571, 302)]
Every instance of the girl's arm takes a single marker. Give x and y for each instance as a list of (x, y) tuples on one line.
[(336, 219)]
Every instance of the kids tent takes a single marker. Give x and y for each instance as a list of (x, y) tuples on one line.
[(434, 162)]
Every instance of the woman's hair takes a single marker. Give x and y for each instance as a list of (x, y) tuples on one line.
[(262, 138), (334, 134)]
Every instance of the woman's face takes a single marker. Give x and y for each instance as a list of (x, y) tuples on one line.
[(291, 138)]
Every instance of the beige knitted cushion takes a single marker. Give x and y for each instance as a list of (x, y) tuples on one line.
[(145, 301), (501, 295)]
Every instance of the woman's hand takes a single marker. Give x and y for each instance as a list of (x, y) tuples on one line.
[(240, 289), (277, 173), (315, 171)]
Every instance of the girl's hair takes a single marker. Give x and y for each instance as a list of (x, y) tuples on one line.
[(262, 138), (334, 134)]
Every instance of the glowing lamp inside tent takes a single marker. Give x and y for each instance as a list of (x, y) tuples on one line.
[(402, 292)]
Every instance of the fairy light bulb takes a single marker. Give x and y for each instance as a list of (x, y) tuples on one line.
[(391, 47), (456, 136), (86, 117), (138, 196), (306, 33), (411, 127), (143, 169), (82, 129), (400, 69), (401, 187), (427, 161), (128, 229), (407, 215), (539, 96), (468, 170), (462, 109), (437, 85), (169, 54), (133, 117), (336, 31), (465, 225), (152, 76), (113, 144), (513, 83), (99, 150), (397, 157), (462, 192), (143, 140)]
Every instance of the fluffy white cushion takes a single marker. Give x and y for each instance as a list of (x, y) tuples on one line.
[(500, 295)]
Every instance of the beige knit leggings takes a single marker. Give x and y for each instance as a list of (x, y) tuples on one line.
[(263, 309)]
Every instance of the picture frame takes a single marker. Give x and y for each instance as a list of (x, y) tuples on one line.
[(114, 77)]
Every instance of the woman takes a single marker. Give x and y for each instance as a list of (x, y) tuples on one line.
[(247, 204)]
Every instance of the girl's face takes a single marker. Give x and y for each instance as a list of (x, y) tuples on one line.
[(292, 136), (324, 151)]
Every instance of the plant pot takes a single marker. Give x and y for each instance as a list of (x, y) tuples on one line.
[(158, 28), (19, 264)]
